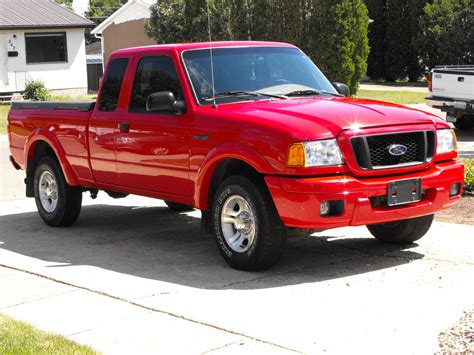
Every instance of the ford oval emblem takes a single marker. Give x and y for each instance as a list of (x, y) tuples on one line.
[(397, 149)]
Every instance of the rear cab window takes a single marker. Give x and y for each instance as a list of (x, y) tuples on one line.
[(154, 74), (112, 85)]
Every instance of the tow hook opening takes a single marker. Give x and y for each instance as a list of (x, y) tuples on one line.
[(331, 208), (455, 190)]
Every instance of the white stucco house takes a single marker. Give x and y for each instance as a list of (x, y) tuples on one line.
[(41, 40)]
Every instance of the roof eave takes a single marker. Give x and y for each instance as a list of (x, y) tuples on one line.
[(43, 27), (109, 20)]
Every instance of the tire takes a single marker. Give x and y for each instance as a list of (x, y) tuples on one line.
[(66, 207), (179, 207), (262, 235), (405, 231), (464, 123)]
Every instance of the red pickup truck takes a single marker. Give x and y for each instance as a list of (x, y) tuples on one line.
[(252, 134)]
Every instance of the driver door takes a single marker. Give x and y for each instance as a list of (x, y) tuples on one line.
[(152, 148)]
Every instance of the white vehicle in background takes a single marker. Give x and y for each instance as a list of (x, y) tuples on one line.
[(452, 91)]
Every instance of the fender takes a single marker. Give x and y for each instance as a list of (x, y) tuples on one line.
[(229, 150), (48, 137)]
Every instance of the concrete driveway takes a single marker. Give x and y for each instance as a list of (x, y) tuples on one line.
[(133, 277)]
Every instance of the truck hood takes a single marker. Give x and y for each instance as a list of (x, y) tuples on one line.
[(328, 116)]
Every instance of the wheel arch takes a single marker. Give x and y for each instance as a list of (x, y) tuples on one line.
[(41, 144), (223, 162)]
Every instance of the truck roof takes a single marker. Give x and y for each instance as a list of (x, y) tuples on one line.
[(180, 47)]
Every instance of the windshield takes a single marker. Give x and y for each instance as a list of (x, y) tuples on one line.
[(253, 73)]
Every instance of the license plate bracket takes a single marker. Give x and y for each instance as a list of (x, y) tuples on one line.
[(401, 192)]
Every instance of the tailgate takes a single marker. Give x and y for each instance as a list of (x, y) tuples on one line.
[(453, 84)]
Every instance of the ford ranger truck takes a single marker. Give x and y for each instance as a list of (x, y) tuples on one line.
[(250, 133), (452, 91)]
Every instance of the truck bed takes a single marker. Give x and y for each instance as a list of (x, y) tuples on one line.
[(52, 105), (64, 123)]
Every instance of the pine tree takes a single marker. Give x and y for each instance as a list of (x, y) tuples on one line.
[(377, 29)]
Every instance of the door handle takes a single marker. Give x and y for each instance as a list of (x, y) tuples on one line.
[(461, 79), (124, 127)]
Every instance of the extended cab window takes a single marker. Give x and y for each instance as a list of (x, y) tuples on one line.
[(112, 83), (154, 74)]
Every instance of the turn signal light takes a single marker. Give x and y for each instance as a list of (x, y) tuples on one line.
[(296, 156)]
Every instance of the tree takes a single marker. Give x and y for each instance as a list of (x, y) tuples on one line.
[(447, 33), (394, 53), (338, 40), (377, 29), (174, 21), (397, 39), (67, 3), (98, 11), (332, 32)]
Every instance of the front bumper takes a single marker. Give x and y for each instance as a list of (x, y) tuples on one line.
[(298, 199)]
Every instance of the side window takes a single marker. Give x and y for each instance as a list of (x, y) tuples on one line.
[(154, 74), (112, 83)]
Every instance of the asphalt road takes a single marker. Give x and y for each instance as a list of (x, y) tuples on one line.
[(131, 274)]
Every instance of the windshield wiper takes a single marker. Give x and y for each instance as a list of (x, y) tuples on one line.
[(310, 93), (240, 93)]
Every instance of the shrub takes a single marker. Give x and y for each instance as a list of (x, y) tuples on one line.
[(35, 90), (469, 174)]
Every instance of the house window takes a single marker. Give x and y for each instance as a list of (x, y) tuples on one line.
[(45, 47)]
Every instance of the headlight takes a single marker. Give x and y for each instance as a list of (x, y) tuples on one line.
[(446, 141), (317, 153)]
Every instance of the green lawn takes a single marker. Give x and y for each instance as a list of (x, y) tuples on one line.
[(21, 338), (3, 118), (399, 97)]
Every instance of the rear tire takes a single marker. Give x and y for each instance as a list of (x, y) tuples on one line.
[(405, 231), (464, 122), (58, 203), (179, 207), (248, 230)]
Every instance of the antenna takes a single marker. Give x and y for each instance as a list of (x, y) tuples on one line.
[(211, 56)]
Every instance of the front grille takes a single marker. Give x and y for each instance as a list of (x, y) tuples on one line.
[(373, 152)]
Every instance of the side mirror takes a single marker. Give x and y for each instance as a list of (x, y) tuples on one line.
[(342, 89), (166, 102)]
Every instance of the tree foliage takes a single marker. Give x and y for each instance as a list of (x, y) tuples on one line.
[(394, 52), (447, 33), (98, 11), (332, 32), (67, 3)]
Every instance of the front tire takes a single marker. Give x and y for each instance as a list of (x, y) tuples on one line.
[(405, 231), (248, 230), (465, 122), (58, 203)]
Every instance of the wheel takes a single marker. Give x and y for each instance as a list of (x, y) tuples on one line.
[(179, 207), (248, 230), (464, 122), (405, 231), (58, 204)]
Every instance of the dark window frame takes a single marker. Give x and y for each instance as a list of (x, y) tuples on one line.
[(102, 105), (141, 111), (46, 34)]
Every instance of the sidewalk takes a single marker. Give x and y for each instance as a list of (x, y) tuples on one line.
[(110, 325)]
